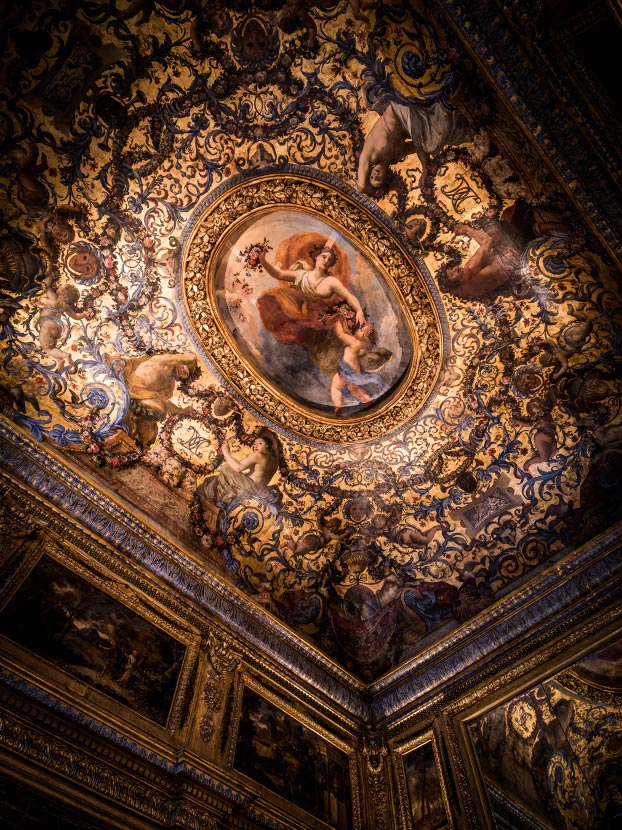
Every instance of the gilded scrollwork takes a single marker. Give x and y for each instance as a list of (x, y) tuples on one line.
[(17, 527), (192, 818), (38, 746), (375, 754)]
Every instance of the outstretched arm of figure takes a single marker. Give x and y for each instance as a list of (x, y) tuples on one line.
[(367, 160), (371, 154), (75, 315), (179, 359), (171, 408), (276, 272), (483, 258), (483, 238), (51, 297)]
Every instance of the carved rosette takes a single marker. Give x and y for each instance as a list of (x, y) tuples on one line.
[(352, 219)]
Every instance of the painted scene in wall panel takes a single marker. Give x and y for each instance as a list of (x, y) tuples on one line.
[(82, 630), (553, 753), (279, 752), (427, 806)]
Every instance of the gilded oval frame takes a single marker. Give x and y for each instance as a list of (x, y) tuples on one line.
[(356, 223)]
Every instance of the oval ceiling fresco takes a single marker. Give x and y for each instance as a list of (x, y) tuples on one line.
[(311, 309)]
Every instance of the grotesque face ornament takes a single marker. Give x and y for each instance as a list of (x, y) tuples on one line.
[(255, 43)]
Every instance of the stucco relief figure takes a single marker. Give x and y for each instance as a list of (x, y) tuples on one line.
[(413, 538), (401, 130), (249, 476), (151, 382)]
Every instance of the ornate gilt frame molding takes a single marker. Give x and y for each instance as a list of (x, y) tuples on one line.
[(72, 508), (576, 588), (506, 680), (345, 212)]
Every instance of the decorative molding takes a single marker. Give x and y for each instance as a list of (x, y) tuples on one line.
[(223, 660), (547, 657), (575, 589), (161, 789), (375, 758), (561, 590), (37, 746), (501, 57), (82, 557), (511, 812)]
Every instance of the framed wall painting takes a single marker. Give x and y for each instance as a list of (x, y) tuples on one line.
[(422, 791), (549, 756), (286, 753), (62, 615)]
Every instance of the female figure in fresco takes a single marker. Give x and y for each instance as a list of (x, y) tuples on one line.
[(248, 476), (316, 282), (321, 314), (304, 307)]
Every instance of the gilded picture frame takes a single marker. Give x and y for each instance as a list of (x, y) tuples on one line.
[(544, 708), (107, 651), (290, 339), (422, 789)]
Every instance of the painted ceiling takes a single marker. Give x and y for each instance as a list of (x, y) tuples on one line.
[(287, 280)]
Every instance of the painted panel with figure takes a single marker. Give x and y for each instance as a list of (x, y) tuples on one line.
[(427, 807), (311, 312), (553, 752), (293, 761), (85, 632), (421, 788)]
